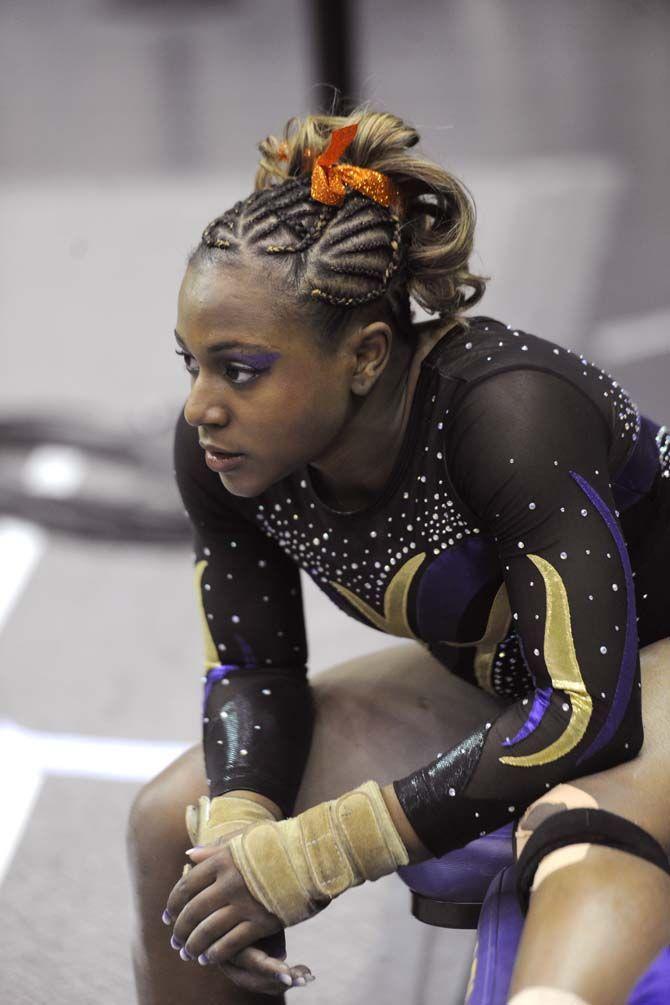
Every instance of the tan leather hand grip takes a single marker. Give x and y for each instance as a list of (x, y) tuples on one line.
[(295, 866)]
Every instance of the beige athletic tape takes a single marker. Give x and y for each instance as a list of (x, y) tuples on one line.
[(563, 797), (541, 995), (214, 820), (559, 859)]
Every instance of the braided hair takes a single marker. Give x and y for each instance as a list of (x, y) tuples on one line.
[(334, 259)]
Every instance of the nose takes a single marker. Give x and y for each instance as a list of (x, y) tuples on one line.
[(203, 406)]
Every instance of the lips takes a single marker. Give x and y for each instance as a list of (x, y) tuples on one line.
[(219, 451)]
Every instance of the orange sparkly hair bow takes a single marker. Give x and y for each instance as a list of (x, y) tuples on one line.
[(330, 179)]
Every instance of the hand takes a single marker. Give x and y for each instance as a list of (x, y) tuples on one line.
[(262, 968), (216, 918)]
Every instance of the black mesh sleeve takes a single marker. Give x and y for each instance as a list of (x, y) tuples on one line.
[(257, 707), (527, 452)]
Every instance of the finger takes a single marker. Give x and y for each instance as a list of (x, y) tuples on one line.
[(191, 883), (239, 938), (260, 984), (209, 902), (259, 962), (255, 960), (202, 852), (211, 929)]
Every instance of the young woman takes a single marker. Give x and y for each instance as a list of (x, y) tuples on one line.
[(493, 497)]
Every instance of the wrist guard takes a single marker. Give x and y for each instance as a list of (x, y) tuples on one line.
[(294, 867), (215, 819)]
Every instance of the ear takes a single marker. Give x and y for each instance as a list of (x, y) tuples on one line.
[(371, 347)]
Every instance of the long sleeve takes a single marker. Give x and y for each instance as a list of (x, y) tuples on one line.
[(527, 453), (257, 707)]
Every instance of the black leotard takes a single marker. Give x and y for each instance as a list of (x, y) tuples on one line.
[(523, 538)]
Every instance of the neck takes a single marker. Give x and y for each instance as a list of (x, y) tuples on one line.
[(360, 463)]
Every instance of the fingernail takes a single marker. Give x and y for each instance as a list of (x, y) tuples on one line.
[(175, 943), (300, 981), (166, 919), (202, 959), (184, 953), (194, 848), (285, 978)]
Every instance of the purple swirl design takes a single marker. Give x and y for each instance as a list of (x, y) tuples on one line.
[(629, 658), (214, 676), (539, 707)]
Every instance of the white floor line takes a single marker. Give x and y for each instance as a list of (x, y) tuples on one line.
[(49, 470), (21, 547), (20, 783), (29, 757)]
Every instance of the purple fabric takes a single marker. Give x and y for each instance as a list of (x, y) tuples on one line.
[(540, 706), (629, 659), (653, 988), (462, 875), (498, 936), (214, 676), (248, 653), (441, 606), (637, 475)]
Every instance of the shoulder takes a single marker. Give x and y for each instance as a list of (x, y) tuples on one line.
[(517, 381)]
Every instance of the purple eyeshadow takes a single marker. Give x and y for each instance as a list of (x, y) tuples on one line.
[(261, 359)]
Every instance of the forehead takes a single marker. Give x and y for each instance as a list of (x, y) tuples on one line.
[(239, 300)]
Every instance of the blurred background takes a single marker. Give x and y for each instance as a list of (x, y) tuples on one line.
[(125, 127)]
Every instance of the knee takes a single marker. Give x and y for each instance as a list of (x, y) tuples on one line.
[(560, 829), (154, 823), (562, 797)]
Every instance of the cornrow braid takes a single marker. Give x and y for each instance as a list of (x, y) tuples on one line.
[(334, 259), (346, 255)]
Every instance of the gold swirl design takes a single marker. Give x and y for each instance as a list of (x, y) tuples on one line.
[(211, 655), (500, 617), (394, 620), (563, 668), (473, 974)]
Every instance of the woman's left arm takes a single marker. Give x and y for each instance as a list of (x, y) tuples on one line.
[(528, 453)]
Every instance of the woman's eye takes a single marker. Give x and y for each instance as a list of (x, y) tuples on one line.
[(248, 373), (188, 361), (238, 375)]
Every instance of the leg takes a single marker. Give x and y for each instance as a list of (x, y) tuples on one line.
[(378, 716), (594, 925)]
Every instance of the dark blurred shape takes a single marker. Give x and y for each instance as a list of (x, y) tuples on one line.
[(127, 494), (335, 89)]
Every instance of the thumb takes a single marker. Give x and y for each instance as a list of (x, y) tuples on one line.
[(202, 852)]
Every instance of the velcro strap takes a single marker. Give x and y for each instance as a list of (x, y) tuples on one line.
[(329, 865), (372, 839), (262, 854)]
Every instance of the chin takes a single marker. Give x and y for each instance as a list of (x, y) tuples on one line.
[(245, 488)]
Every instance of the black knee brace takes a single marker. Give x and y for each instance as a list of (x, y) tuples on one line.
[(583, 826)]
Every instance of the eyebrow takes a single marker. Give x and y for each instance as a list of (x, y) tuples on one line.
[(229, 344)]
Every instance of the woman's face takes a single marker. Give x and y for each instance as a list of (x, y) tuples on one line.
[(260, 386)]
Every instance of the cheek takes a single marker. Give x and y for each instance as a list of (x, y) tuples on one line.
[(302, 418)]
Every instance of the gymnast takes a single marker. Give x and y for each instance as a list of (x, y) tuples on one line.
[(492, 498)]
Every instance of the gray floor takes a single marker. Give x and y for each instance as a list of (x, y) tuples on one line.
[(126, 128)]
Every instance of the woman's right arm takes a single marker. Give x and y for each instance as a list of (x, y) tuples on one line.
[(257, 710)]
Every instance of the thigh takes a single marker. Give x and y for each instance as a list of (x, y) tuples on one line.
[(379, 716), (640, 789), (383, 715)]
